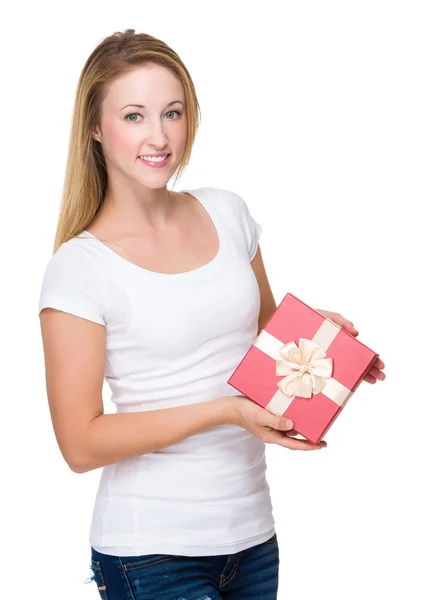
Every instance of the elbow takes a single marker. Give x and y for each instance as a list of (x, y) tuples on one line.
[(76, 464), (75, 468), (81, 466), (76, 455)]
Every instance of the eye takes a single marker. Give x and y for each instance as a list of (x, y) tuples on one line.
[(174, 111), (133, 115), (177, 112)]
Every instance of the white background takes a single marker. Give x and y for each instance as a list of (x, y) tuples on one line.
[(313, 112)]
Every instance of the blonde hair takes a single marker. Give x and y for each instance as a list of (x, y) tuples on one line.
[(86, 176)]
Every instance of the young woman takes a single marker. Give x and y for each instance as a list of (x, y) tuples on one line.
[(161, 293)]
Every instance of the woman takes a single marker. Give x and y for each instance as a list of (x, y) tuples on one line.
[(161, 293)]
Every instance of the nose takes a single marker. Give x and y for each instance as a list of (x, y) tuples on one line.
[(157, 135)]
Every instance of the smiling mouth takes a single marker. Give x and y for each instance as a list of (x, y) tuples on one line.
[(160, 161), (154, 156)]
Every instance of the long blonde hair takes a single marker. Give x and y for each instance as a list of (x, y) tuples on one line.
[(86, 175)]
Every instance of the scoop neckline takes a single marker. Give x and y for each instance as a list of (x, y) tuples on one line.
[(201, 271)]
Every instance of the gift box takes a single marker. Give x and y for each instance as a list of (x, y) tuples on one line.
[(303, 366)]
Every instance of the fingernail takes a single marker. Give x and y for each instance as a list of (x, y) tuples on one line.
[(289, 423)]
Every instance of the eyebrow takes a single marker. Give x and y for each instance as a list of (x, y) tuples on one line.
[(142, 106)]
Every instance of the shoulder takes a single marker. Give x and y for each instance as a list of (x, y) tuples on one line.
[(78, 259), (222, 194), (80, 251), (73, 282), (227, 200), (236, 214), (232, 202)]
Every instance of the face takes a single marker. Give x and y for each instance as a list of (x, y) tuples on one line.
[(127, 131)]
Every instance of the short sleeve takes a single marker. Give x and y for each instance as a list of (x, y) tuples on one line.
[(72, 284), (252, 230)]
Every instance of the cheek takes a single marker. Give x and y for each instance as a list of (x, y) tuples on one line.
[(180, 134), (120, 140)]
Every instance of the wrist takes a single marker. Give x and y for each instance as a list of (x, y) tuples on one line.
[(231, 409)]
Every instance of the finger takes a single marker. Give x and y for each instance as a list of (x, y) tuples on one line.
[(345, 323), (373, 375), (348, 325), (379, 364), (375, 372), (281, 423), (294, 433), (303, 439), (282, 439), (352, 329)]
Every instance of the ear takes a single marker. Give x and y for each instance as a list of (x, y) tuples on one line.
[(96, 135)]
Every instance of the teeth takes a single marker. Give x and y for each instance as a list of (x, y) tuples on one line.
[(154, 158)]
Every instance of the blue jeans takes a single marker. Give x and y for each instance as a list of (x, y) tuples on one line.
[(251, 574)]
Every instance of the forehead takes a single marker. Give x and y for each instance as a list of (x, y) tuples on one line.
[(150, 85)]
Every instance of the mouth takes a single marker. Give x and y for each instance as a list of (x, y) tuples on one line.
[(156, 162)]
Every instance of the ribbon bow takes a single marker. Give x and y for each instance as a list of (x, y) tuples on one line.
[(305, 367)]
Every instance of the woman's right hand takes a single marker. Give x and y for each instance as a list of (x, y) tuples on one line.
[(267, 427)]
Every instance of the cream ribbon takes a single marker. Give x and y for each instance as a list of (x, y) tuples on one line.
[(306, 367)]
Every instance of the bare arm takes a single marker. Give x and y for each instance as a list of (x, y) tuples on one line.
[(114, 437), (268, 304), (74, 352)]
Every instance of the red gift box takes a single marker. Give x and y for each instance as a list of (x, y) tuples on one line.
[(303, 366)]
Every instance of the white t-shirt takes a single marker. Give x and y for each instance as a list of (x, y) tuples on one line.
[(174, 340)]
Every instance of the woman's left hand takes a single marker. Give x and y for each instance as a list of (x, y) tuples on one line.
[(376, 371)]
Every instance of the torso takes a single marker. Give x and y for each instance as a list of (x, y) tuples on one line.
[(189, 243)]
